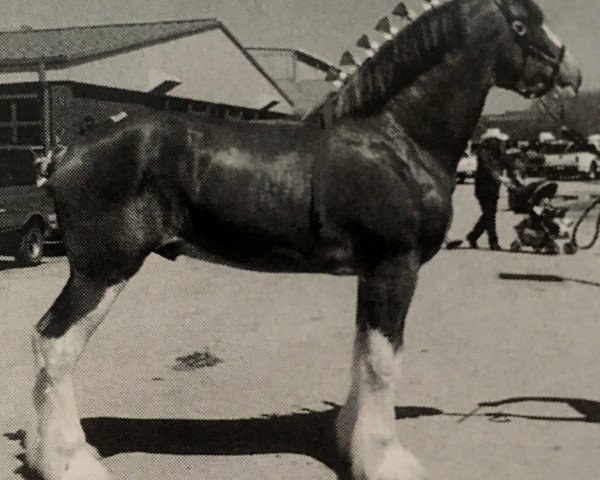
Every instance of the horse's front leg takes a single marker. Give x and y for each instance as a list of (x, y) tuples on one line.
[(366, 426), (55, 444)]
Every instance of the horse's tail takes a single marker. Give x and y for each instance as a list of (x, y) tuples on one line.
[(46, 164)]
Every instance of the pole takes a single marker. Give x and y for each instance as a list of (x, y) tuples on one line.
[(45, 107)]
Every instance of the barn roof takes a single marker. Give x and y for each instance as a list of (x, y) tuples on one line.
[(60, 47), (75, 44)]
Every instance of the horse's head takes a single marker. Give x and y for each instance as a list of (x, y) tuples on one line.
[(531, 59)]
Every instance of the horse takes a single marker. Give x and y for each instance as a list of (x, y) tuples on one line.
[(367, 195)]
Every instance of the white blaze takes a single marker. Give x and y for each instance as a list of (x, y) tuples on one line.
[(552, 36)]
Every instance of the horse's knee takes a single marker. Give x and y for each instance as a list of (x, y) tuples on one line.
[(78, 310)]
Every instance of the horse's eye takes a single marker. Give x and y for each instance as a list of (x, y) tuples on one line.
[(519, 28)]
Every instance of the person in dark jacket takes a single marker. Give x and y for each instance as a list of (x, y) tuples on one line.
[(491, 164)]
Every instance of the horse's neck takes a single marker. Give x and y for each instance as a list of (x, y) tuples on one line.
[(441, 109), (432, 80)]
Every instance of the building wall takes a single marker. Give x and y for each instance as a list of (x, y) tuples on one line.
[(69, 107), (283, 65), (72, 103), (307, 72), (278, 63), (211, 67)]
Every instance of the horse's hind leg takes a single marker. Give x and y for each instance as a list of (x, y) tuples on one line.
[(55, 444), (366, 425)]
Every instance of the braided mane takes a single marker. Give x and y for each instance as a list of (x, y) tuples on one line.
[(399, 62)]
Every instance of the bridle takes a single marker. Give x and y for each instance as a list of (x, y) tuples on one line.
[(532, 55)]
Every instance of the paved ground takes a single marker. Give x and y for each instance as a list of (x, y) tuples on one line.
[(516, 329)]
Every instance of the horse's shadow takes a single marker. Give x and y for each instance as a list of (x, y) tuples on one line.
[(307, 432), (545, 278)]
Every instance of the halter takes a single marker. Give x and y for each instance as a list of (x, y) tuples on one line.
[(533, 53)]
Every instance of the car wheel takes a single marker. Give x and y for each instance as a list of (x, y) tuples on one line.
[(30, 249), (592, 173), (552, 249)]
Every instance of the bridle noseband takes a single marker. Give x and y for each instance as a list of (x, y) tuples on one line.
[(532, 52)]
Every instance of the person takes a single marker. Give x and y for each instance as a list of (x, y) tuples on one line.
[(492, 161)]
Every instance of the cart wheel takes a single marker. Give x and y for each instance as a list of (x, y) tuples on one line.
[(515, 246), (552, 249), (592, 173), (569, 248)]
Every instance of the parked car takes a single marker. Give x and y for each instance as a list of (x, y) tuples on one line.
[(27, 217), (533, 161), (467, 165), (569, 158)]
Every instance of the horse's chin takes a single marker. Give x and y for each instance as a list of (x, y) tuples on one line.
[(535, 90)]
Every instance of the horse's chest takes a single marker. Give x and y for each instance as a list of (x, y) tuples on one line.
[(386, 201)]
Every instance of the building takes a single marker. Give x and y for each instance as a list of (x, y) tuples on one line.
[(53, 80), (549, 114), (300, 75)]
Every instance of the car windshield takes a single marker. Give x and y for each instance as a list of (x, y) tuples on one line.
[(16, 169)]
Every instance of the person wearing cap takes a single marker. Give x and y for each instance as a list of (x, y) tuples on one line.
[(491, 164)]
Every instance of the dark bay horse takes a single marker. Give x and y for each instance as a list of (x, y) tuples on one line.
[(369, 195)]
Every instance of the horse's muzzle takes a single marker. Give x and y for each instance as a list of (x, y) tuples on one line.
[(569, 76)]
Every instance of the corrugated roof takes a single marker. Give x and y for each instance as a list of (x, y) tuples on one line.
[(65, 45)]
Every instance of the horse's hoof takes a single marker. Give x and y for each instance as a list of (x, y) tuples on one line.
[(399, 464), (394, 463), (83, 464)]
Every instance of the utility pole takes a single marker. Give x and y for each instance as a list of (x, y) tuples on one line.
[(45, 107)]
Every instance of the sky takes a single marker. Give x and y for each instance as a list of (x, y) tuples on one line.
[(323, 27)]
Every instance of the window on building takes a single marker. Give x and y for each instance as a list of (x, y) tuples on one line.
[(20, 119), (16, 168)]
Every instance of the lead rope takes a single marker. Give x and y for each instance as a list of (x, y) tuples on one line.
[(573, 240)]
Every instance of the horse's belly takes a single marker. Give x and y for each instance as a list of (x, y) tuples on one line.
[(273, 260)]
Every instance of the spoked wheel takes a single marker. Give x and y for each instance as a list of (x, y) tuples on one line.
[(552, 249), (30, 249), (515, 246), (569, 248), (592, 173)]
